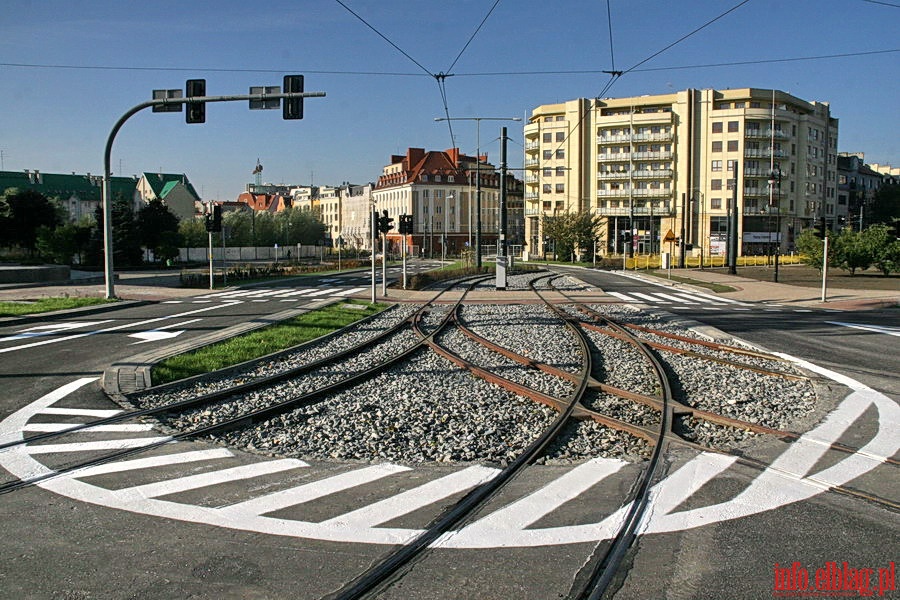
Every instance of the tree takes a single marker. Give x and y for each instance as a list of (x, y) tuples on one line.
[(126, 241), (27, 212), (65, 243), (193, 233), (155, 224), (884, 246), (885, 208), (571, 232), (811, 248), (851, 251)]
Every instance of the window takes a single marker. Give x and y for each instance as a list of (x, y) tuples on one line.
[(716, 165), (560, 154), (548, 137), (548, 171), (560, 171), (718, 224), (717, 127), (560, 136), (548, 154), (738, 105), (717, 146), (560, 188), (731, 164), (451, 179), (560, 118), (715, 184), (547, 188), (732, 126), (715, 203), (732, 145), (755, 105)]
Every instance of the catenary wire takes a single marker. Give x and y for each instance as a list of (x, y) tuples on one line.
[(477, 29)]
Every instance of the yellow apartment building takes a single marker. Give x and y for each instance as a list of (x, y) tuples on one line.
[(651, 165)]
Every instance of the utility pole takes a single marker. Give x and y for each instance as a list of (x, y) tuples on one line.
[(733, 225), (502, 257)]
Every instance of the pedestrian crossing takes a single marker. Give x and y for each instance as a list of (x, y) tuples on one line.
[(680, 300), (260, 295)]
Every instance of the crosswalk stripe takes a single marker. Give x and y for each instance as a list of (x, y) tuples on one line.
[(693, 298), (154, 461), (81, 412), (350, 291), (192, 482), (311, 491), (320, 292), (651, 298), (50, 427), (622, 296), (93, 446), (670, 297), (414, 499)]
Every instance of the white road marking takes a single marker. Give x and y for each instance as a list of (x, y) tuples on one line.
[(876, 328), (311, 491), (653, 298), (153, 462), (622, 296), (350, 291), (81, 412), (125, 427), (193, 482), (116, 328), (406, 502), (94, 446), (789, 479), (42, 330)]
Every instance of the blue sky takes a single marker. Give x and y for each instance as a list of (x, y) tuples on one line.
[(379, 102)]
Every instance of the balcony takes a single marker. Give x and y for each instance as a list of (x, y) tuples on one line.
[(658, 174), (532, 196), (531, 212), (607, 175), (763, 153), (656, 209), (532, 146), (532, 163), (618, 157), (532, 178), (764, 134), (614, 139), (652, 137), (661, 155), (635, 193)]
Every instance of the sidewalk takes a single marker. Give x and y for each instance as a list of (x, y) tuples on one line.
[(753, 290)]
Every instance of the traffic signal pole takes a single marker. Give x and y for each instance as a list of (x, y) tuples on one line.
[(107, 159)]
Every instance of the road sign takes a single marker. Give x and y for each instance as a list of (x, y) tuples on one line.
[(670, 236)]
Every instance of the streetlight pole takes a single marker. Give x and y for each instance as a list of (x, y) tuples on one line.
[(478, 121), (775, 178)]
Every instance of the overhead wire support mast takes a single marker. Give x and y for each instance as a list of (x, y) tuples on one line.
[(107, 157)]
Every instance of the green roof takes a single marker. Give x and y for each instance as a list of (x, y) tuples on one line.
[(56, 185), (162, 183)]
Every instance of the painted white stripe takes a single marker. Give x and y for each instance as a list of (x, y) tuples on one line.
[(670, 297), (876, 328), (311, 491), (49, 427), (201, 302), (192, 482), (694, 298), (296, 293), (153, 462), (172, 302), (622, 296), (52, 329), (260, 300), (414, 499), (109, 329), (81, 412), (321, 292), (653, 299), (92, 446), (531, 508), (350, 291)]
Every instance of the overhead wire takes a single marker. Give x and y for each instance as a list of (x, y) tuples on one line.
[(472, 37)]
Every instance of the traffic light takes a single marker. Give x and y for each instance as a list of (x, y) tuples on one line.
[(214, 221), (196, 111), (406, 224), (385, 223), (292, 107)]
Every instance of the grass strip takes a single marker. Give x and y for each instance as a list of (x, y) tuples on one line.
[(261, 342), (42, 305)]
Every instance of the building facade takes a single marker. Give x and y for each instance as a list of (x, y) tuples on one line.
[(79, 194), (857, 185), (651, 165), (440, 189)]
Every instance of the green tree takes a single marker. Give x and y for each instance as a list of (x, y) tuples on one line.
[(884, 246), (27, 212), (156, 226), (851, 251), (126, 240), (193, 233), (67, 243), (239, 225), (885, 208), (811, 248), (571, 232)]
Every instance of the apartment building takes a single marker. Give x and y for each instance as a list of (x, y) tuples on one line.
[(654, 164), (439, 189)]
